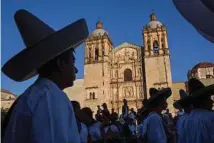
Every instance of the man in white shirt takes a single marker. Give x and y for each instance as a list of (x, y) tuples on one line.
[(154, 124), (198, 125), (43, 113)]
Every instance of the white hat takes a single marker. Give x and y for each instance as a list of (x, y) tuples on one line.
[(200, 13), (42, 44)]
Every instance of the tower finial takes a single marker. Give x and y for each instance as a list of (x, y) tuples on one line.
[(99, 24), (153, 11), (153, 16)]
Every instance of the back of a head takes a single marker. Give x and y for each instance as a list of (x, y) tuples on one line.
[(87, 111), (76, 105)]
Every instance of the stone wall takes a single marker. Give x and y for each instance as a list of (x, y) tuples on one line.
[(7, 99)]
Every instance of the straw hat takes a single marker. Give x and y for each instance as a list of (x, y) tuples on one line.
[(42, 43)]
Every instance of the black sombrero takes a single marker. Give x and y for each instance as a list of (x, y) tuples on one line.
[(183, 101), (200, 13), (156, 94), (42, 43), (197, 91)]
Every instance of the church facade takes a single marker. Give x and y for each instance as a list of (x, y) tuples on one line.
[(127, 71)]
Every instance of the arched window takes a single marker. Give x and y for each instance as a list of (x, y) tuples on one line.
[(156, 47), (127, 75)]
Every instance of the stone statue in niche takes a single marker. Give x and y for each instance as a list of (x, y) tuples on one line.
[(118, 57), (133, 55), (126, 54), (128, 91), (141, 91), (139, 71), (115, 74), (90, 53)]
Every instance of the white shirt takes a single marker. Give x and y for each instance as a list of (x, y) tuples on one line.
[(94, 131), (155, 132), (180, 126), (114, 128), (43, 114), (198, 127), (84, 133)]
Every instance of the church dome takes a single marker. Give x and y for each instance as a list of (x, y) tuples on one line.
[(202, 65), (99, 31), (154, 23)]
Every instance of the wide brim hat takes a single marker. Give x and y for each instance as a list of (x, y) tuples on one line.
[(42, 43), (143, 111), (184, 100), (200, 13), (198, 90), (156, 94), (144, 106)]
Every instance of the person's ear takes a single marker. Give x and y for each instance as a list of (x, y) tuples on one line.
[(60, 64)]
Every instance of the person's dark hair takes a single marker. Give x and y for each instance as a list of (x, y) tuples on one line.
[(155, 104), (52, 66), (87, 111), (75, 104)]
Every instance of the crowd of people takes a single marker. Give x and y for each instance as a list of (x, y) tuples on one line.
[(106, 126), (44, 114), (152, 123)]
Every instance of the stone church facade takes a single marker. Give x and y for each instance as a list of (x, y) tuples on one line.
[(126, 71)]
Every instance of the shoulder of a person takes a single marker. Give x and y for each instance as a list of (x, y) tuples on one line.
[(46, 92), (154, 116), (207, 116), (203, 114), (83, 125)]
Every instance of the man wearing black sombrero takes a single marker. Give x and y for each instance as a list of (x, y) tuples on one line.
[(154, 124), (184, 106), (198, 126), (43, 113)]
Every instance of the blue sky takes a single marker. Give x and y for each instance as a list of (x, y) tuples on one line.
[(123, 19)]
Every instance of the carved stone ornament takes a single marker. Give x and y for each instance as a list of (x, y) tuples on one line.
[(128, 91), (126, 54)]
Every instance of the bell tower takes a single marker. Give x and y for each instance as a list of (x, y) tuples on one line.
[(156, 56), (97, 60)]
